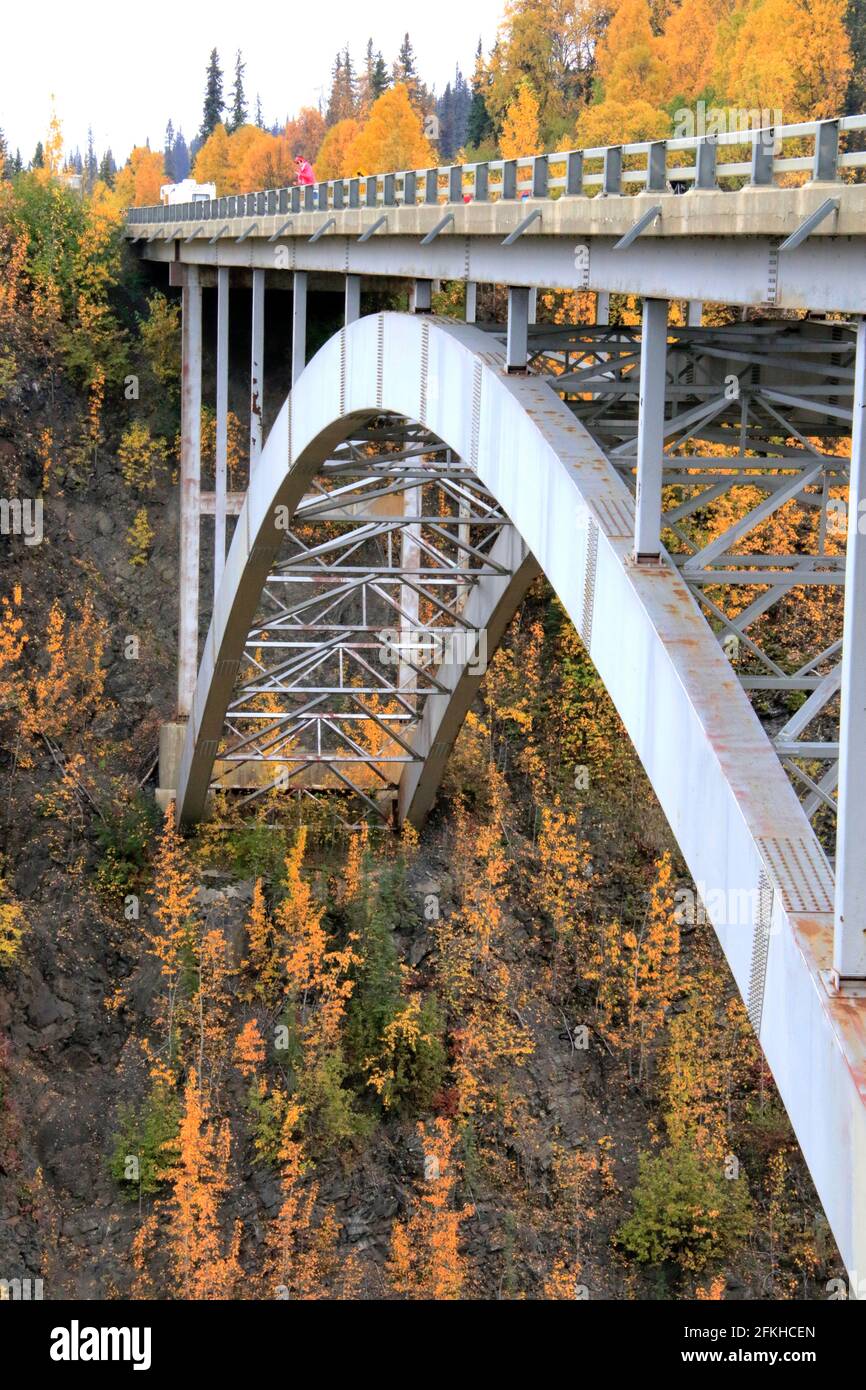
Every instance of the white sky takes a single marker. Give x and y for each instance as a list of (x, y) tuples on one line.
[(125, 68)]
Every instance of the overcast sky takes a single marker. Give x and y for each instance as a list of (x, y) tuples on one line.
[(126, 68)]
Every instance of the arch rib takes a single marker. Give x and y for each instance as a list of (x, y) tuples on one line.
[(766, 884)]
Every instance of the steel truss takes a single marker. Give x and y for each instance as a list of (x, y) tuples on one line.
[(361, 611), (755, 475)]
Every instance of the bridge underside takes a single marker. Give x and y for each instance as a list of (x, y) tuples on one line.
[(409, 491)]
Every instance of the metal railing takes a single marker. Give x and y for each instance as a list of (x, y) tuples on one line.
[(654, 166)]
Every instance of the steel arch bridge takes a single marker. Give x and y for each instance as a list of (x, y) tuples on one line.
[(541, 494), (685, 489)]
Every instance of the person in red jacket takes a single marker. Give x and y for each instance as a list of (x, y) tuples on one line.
[(304, 170)]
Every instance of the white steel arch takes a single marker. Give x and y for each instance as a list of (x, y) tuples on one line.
[(748, 844)]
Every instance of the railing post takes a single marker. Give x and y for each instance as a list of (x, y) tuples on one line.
[(455, 183), (602, 307), (337, 194), (539, 176), (323, 197), (849, 935), (354, 193), (482, 182), (309, 197), (763, 142), (190, 489), (517, 341), (389, 195), (353, 298), (410, 188), (657, 167), (431, 186), (222, 425), (257, 364), (372, 184), (574, 173), (826, 163), (705, 165), (651, 431), (612, 173), (509, 178), (299, 323)]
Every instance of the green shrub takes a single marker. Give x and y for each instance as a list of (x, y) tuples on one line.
[(685, 1210), (143, 1148)]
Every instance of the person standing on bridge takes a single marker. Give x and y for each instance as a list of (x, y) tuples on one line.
[(304, 170)]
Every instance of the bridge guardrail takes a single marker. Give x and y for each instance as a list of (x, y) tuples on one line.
[(601, 170)]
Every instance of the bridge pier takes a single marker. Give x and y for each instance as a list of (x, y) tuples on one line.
[(517, 341), (651, 431), (257, 369), (222, 408), (422, 296), (190, 489), (849, 935), (299, 323), (353, 298)]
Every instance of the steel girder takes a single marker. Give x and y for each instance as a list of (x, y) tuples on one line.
[(742, 831)]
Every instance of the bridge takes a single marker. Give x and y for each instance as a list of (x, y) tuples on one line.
[(692, 492)]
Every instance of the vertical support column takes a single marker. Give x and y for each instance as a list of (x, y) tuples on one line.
[(651, 430), (471, 301), (299, 323), (257, 368), (849, 936), (517, 342), (602, 307), (353, 298), (410, 559), (533, 305), (695, 313), (422, 296), (190, 489), (222, 426)]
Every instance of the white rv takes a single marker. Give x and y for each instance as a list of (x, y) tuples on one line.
[(187, 191)]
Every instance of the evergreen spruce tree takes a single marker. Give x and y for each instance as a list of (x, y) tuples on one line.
[(238, 112), (479, 126), (5, 163), (38, 160), (213, 96), (180, 158), (168, 153), (107, 168), (91, 167)]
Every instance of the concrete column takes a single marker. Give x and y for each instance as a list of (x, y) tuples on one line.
[(471, 300), (222, 411), (533, 305), (696, 313), (190, 489), (299, 323), (517, 342), (602, 307), (353, 298), (257, 369), (650, 434), (422, 297), (849, 937)]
